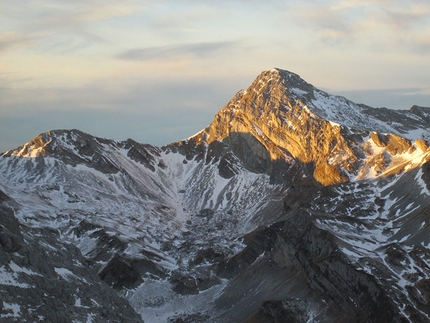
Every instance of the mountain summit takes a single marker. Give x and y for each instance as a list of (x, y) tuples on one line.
[(292, 205), (290, 117)]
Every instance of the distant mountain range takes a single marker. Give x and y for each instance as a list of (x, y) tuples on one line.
[(293, 205)]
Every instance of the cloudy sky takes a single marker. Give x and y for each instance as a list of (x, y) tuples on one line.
[(158, 71)]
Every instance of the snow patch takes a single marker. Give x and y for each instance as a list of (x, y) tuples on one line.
[(298, 92), (10, 277), (11, 307), (66, 274)]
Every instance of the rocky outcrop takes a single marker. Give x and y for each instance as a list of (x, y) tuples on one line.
[(10, 235), (125, 272), (44, 279), (288, 310), (353, 295), (394, 144)]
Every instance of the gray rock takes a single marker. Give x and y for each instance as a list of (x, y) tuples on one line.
[(51, 280)]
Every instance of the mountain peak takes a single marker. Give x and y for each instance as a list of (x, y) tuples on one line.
[(292, 83), (53, 142), (287, 117), (284, 74)]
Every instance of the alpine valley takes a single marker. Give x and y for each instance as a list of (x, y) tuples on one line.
[(293, 205)]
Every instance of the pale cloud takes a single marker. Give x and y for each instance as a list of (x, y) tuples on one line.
[(62, 25), (422, 44), (381, 25), (407, 28), (72, 15), (187, 21), (356, 3), (413, 18), (13, 40), (328, 22), (196, 50)]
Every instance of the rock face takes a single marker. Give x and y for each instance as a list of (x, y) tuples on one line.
[(44, 279), (272, 123), (293, 205)]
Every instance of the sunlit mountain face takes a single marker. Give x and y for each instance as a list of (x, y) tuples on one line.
[(293, 205)]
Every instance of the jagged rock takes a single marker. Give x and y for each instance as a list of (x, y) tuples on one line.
[(426, 174), (3, 197), (422, 144), (190, 318), (226, 168), (281, 311), (423, 286), (205, 213), (250, 151), (119, 274), (183, 284), (122, 272), (10, 235), (143, 154), (257, 242)]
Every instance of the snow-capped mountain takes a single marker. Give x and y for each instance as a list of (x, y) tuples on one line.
[(292, 205)]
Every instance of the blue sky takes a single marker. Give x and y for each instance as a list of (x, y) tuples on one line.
[(158, 71)]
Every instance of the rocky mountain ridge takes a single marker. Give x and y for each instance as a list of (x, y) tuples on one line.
[(292, 205), (290, 117)]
